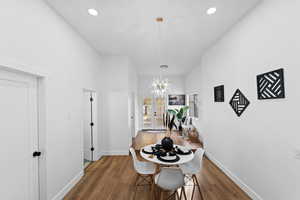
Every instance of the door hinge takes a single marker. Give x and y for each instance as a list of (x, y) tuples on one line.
[(92, 124), (36, 154), (92, 149)]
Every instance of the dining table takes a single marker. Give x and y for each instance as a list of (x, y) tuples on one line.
[(145, 140)]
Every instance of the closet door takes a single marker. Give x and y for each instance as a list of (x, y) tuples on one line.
[(18, 137)]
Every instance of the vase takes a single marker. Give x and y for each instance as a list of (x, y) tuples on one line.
[(167, 144)]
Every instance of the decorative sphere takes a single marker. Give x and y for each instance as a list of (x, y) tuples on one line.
[(167, 144)]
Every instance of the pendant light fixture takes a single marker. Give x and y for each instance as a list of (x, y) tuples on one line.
[(159, 84)]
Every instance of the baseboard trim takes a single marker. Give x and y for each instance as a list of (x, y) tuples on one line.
[(252, 194), (61, 194), (98, 156), (115, 153)]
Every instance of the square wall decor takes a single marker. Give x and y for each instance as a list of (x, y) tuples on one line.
[(219, 93), (270, 85), (239, 102)]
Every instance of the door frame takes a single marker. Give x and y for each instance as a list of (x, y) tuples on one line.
[(132, 117), (97, 152), (153, 105), (41, 122)]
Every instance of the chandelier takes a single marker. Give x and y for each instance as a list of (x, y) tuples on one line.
[(160, 85)]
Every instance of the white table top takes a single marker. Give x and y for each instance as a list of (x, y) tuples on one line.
[(183, 158)]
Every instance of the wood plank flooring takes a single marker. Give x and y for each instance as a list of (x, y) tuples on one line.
[(113, 178)]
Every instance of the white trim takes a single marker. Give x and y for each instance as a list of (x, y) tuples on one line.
[(98, 156), (40, 76), (27, 68), (60, 195), (96, 145), (115, 153), (252, 194)]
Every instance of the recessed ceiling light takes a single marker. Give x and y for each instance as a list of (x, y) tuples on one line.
[(211, 11), (93, 12)]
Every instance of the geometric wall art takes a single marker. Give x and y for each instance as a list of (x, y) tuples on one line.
[(270, 85), (239, 102), (219, 93)]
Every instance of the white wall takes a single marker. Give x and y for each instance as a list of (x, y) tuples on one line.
[(115, 87), (34, 39), (260, 146), (133, 89), (193, 85)]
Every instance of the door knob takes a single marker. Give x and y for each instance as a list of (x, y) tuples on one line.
[(36, 154)]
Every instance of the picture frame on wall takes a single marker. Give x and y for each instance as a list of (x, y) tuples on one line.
[(270, 85), (219, 93), (176, 100)]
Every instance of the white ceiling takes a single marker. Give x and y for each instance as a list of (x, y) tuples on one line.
[(128, 27)]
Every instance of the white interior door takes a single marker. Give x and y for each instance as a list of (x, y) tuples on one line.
[(18, 137), (153, 113), (158, 112)]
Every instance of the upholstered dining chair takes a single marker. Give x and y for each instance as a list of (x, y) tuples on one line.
[(144, 170), (170, 179), (192, 168)]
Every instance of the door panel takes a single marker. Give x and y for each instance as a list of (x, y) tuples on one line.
[(147, 113), (159, 111), (18, 138), (153, 111)]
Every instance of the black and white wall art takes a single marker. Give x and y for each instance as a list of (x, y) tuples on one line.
[(177, 100), (219, 93), (270, 85), (239, 102)]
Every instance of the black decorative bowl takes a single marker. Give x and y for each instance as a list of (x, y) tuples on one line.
[(167, 144)]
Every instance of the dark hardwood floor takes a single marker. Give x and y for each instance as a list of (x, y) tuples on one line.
[(113, 178)]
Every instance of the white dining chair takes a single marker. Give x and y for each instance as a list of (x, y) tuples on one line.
[(145, 171), (170, 179), (192, 168)]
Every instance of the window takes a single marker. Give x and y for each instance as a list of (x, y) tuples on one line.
[(193, 106)]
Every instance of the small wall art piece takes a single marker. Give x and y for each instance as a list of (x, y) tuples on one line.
[(219, 93), (270, 85), (239, 102), (177, 100)]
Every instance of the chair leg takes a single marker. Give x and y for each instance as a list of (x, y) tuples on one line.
[(193, 192), (184, 194), (180, 194), (141, 180), (158, 193), (198, 185), (153, 190), (135, 186), (176, 195)]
